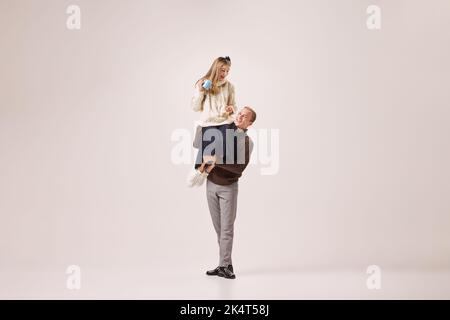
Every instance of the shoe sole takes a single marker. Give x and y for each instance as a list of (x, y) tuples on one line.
[(221, 275)]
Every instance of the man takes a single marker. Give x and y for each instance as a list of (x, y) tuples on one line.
[(222, 175)]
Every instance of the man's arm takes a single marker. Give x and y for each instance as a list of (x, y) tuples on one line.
[(237, 168)]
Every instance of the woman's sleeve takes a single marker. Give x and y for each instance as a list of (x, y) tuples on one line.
[(197, 99), (231, 96)]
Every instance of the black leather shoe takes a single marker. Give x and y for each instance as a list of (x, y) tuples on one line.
[(226, 273), (230, 267), (214, 272)]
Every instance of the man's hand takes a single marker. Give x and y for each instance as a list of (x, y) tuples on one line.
[(229, 109), (210, 161)]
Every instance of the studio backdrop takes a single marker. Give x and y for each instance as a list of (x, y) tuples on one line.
[(350, 167)]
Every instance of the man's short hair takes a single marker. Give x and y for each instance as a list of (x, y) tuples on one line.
[(252, 111)]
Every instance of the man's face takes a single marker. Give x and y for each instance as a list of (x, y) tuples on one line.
[(244, 118)]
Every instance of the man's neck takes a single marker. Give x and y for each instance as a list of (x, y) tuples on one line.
[(239, 127)]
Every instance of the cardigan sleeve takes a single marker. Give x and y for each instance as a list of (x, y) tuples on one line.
[(198, 98), (231, 96)]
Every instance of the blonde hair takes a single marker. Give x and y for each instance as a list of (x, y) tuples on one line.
[(213, 73)]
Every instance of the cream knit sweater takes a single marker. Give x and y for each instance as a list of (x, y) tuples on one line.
[(212, 107)]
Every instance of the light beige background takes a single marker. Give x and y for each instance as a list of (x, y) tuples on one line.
[(86, 118)]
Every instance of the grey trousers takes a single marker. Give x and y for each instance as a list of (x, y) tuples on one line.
[(222, 203)]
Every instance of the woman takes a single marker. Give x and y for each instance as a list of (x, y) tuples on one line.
[(214, 98)]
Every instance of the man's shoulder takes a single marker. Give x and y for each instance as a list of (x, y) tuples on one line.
[(230, 125), (250, 143)]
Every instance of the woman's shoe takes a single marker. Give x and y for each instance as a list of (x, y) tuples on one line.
[(192, 178), (196, 178)]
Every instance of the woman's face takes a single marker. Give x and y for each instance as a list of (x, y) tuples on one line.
[(223, 72)]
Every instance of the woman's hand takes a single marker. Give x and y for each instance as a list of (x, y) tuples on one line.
[(229, 109), (200, 86)]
